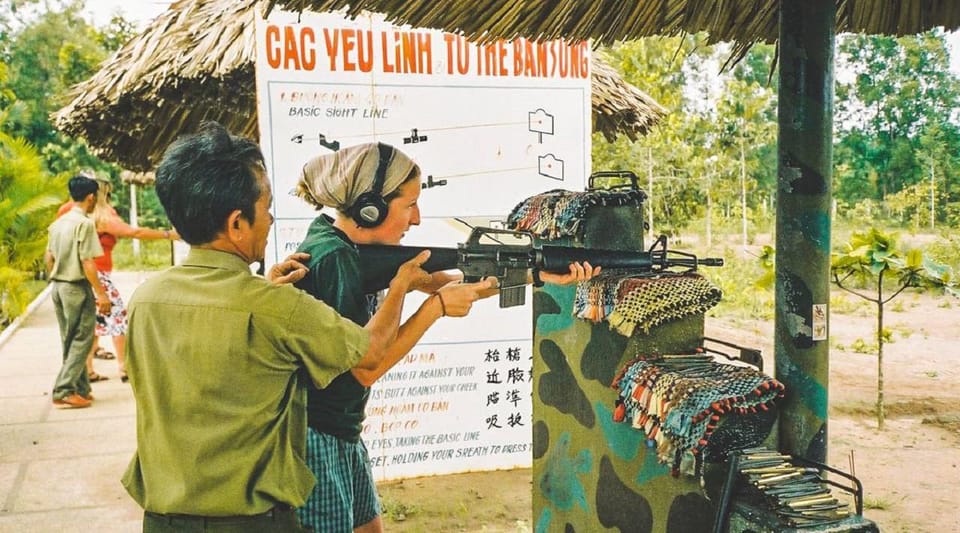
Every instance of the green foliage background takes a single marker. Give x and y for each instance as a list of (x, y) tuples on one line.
[(709, 167), (45, 48)]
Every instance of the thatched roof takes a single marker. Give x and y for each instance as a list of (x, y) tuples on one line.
[(195, 62), (743, 22), (618, 107)]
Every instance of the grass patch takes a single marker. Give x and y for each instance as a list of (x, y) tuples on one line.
[(397, 511), (845, 304), (876, 503), (154, 255), (933, 410), (948, 421), (903, 331), (862, 346)]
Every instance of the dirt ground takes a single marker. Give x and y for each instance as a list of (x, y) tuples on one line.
[(910, 470)]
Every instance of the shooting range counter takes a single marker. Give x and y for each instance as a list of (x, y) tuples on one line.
[(592, 469)]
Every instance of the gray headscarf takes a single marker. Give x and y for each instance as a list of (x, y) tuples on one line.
[(337, 179)]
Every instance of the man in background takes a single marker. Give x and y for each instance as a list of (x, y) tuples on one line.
[(71, 248)]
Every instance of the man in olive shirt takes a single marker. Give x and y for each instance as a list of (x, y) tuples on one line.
[(71, 247), (218, 357)]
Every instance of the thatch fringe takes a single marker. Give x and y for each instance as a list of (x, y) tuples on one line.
[(619, 107), (605, 21)]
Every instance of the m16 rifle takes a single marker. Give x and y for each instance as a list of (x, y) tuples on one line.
[(511, 262)]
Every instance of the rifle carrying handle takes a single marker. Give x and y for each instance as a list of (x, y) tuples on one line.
[(608, 174)]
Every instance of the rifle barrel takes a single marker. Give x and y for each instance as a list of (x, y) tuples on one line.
[(558, 258), (710, 261), (379, 263)]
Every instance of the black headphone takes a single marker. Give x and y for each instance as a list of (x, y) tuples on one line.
[(370, 208)]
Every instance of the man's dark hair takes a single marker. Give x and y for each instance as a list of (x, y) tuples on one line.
[(81, 186), (205, 176)]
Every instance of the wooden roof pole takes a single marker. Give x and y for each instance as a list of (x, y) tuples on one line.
[(804, 154)]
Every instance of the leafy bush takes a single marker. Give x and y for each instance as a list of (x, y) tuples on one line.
[(946, 249), (746, 291), (29, 197)]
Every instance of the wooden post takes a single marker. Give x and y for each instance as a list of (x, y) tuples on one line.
[(133, 221), (804, 153)]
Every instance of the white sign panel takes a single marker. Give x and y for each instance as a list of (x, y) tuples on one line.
[(489, 126)]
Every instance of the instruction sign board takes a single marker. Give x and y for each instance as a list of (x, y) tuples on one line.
[(489, 125)]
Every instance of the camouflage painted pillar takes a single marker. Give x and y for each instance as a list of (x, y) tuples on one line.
[(589, 472), (803, 222)]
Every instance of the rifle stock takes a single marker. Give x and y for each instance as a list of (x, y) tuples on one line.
[(380, 262), (510, 263)]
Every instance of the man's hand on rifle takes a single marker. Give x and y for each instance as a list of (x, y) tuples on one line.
[(290, 270), (578, 272), (456, 299)]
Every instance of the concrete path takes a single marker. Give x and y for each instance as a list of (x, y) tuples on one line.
[(60, 469)]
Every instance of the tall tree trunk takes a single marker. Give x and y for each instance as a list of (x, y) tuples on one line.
[(743, 193), (709, 216), (880, 413), (134, 222), (932, 193), (650, 193)]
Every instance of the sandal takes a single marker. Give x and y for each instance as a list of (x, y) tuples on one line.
[(94, 377), (103, 354)]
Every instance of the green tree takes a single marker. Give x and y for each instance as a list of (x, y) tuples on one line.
[(873, 267), (744, 114), (51, 51), (662, 66), (7, 97), (901, 91), (854, 178), (714, 154), (29, 197)]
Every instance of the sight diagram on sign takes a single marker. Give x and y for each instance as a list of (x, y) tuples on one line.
[(320, 138), (549, 166), (539, 121)]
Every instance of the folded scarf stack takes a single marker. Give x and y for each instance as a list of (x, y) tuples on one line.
[(558, 213), (628, 301), (678, 400)]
